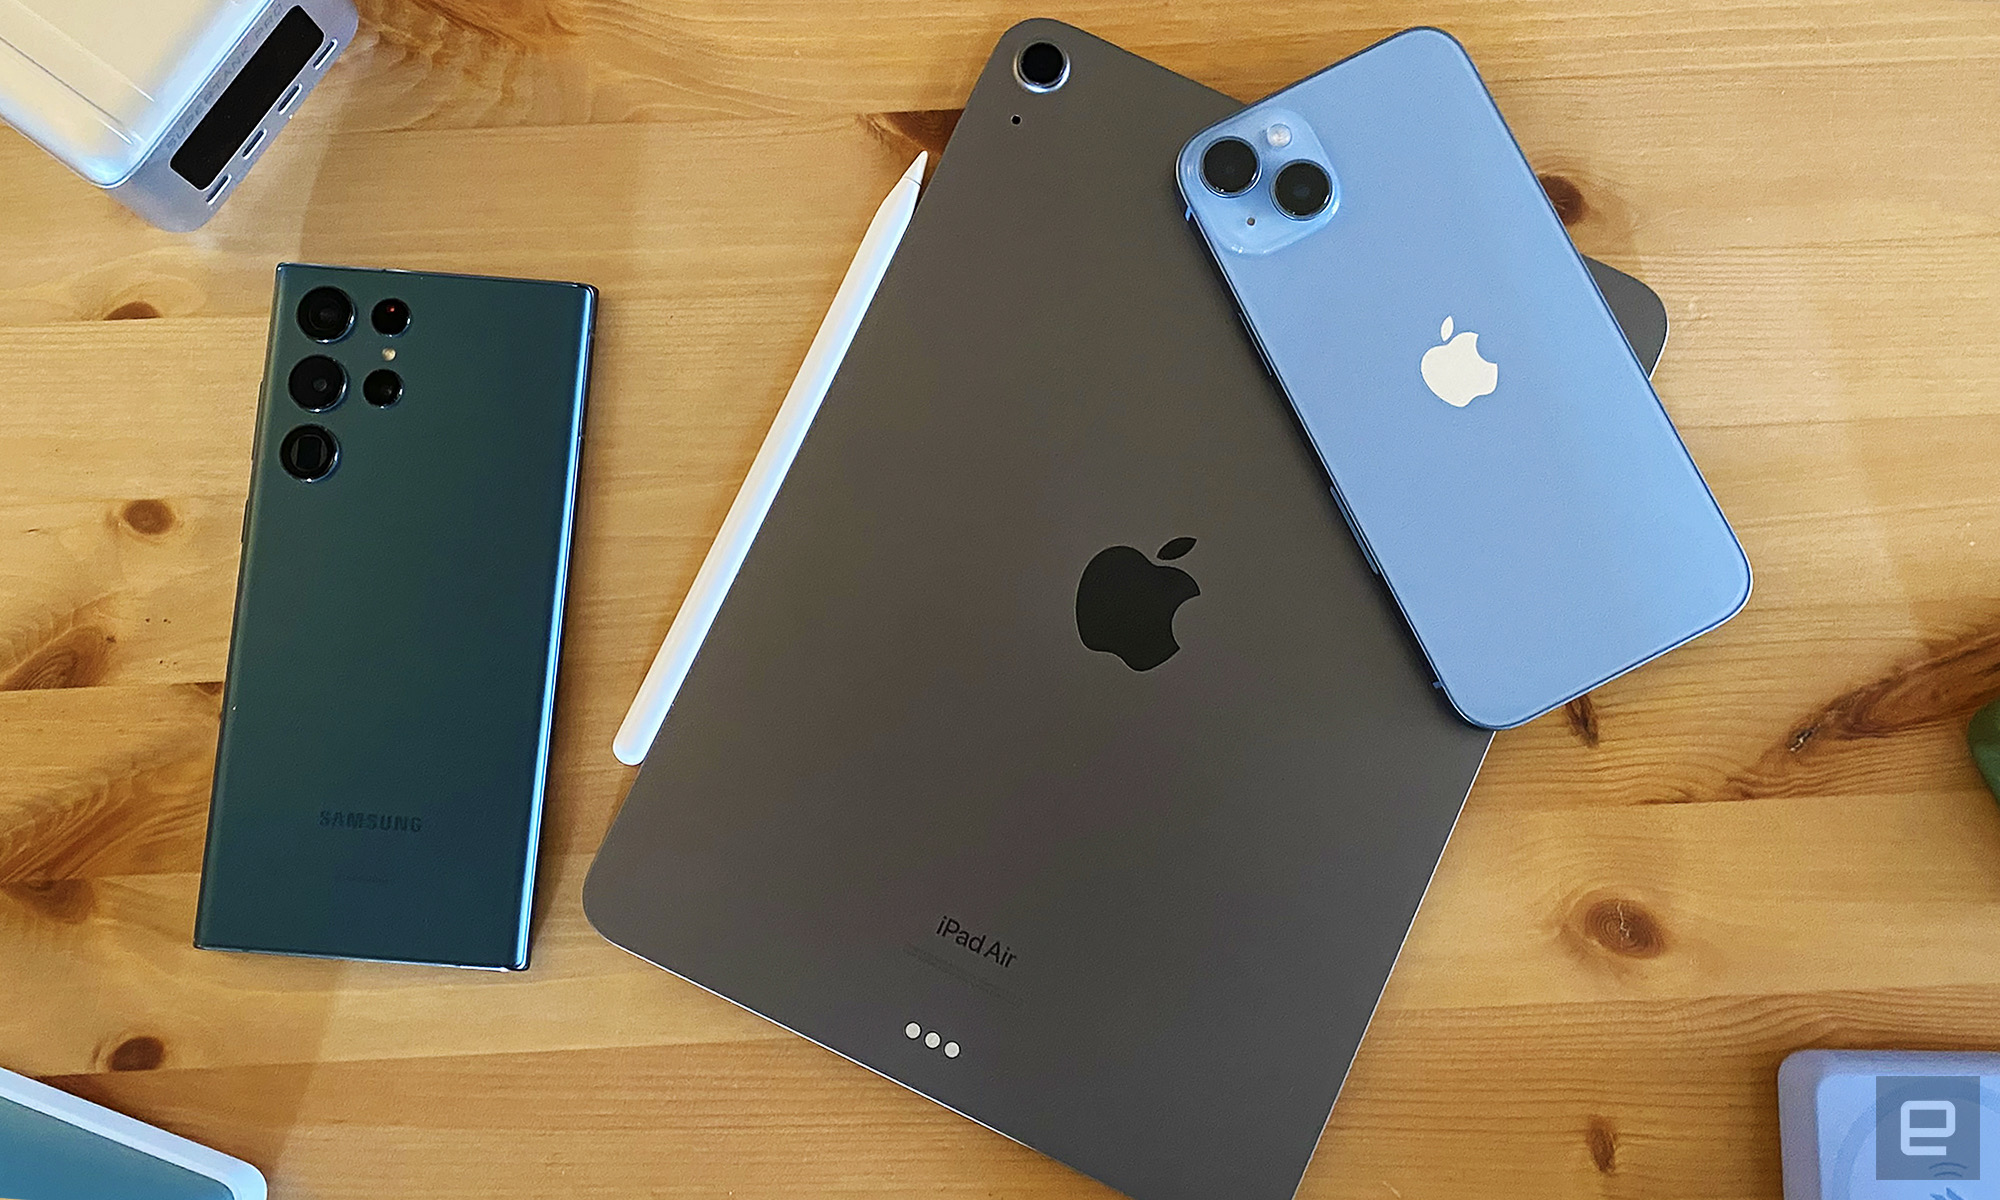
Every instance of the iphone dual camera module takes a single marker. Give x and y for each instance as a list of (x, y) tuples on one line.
[(320, 383), (1261, 183)]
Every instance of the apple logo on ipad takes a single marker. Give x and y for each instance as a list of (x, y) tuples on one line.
[(1455, 371), (1125, 603)]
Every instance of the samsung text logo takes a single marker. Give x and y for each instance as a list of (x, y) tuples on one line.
[(386, 822)]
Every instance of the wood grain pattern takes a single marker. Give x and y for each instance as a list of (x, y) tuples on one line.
[(1769, 840)]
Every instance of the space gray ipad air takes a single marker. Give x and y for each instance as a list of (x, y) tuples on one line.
[(1056, 754)]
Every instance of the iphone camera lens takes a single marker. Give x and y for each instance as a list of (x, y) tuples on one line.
[(1229, 167), (1302, 190), (317, 383), (326, 314)]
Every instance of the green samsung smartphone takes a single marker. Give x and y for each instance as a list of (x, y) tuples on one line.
[(385, 728)]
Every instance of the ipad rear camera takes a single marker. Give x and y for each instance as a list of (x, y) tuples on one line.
[(1302, 190), (326, 314), (1229, 167), (1042, 67), (309, 453), (317, 383)]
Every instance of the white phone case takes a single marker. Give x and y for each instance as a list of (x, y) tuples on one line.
[(51, 1139), (118, 90)]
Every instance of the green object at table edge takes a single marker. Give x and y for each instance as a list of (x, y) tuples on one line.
[(1982, 736)]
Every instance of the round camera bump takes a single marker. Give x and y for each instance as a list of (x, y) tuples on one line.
[(309, 453), (1041, 67), (317, 383), (390, 318), (1229, 166), (326, 314), (1302, 190), (382, 388)]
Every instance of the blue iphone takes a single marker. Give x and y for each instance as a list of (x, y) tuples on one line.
[(1491, 436)]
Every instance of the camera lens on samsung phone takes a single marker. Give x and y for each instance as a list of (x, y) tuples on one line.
[(309, 452), (317, 383), (1229, 167), (1042, 66), (390, 317), (382, 388), (1302, 190), (326, 314)]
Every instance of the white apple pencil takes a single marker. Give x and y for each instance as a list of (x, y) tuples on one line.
[(767, 471)]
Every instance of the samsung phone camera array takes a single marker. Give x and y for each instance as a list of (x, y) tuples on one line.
[(318, 383)]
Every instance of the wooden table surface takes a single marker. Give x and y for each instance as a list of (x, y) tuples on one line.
[(1772, 839)]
